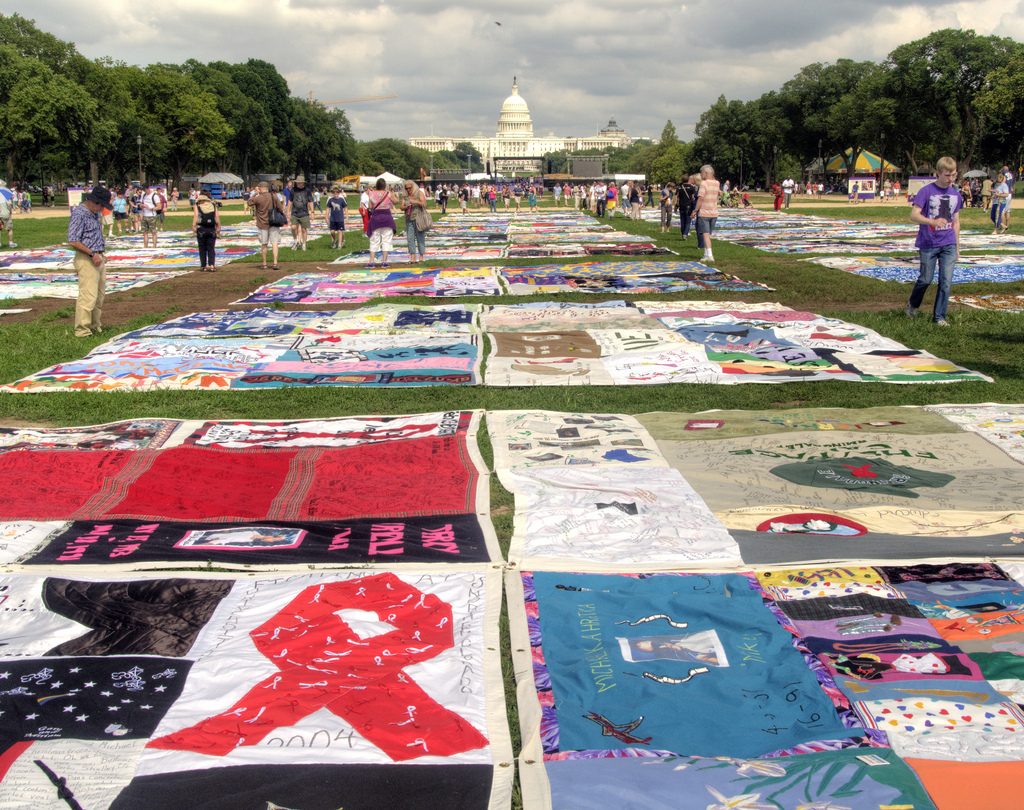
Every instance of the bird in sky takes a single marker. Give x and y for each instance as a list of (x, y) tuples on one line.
[(497, 23)]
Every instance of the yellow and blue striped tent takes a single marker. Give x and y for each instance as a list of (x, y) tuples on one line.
[(867, 163)]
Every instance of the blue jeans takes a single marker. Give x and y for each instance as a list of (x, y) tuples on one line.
[(943, 257), (415, 238)]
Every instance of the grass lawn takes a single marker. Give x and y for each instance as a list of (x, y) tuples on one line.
[(992, 343)]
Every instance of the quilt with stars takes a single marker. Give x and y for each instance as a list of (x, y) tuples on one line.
[(119, 694)]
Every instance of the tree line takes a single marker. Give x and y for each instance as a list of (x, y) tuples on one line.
[(65, 117), (951, 93)]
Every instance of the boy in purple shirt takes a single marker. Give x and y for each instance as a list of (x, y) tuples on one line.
[(937, 211)]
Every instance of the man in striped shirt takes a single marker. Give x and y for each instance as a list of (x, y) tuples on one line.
[(705, 212), (85, 236)]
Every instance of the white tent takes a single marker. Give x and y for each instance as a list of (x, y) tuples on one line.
[(221, 177), (481, 176), (367, 181)]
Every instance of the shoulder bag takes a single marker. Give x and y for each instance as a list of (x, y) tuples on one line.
[(424, 222), (276, 217)]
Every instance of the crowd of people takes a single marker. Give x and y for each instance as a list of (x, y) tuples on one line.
[(695, 200)]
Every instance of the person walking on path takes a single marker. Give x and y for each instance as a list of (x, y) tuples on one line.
[(687, 200), (706, 209), (382, 224), (300, 209), (337, 205), (667, 200), (635, 201), (1001, 196), (206, 227), (151, 208), (416, 240), (936, 212), (120, 204), (85, 237), (262, 202)]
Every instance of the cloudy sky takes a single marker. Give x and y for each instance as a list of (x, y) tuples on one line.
[(578, 62)]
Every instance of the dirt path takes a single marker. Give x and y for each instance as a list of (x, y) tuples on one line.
[(195, 292)]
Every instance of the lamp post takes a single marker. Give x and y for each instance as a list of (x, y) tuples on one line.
[(741, 170), (775, 160), (138, 143), (821, 166)]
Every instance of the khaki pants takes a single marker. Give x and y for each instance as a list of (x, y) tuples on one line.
[(91, 283)]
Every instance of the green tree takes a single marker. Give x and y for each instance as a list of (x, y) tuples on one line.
[(260, 82), (1001, 103), (809, 100), (468, 155), (944, 73), (38, 107), (60, 57), (252, 143), (668, 135), (394, 156), (192, 132)]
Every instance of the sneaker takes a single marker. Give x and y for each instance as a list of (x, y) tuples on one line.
[(941, 322), (709, 258), (13, 245), (910, 312), (303, 245)]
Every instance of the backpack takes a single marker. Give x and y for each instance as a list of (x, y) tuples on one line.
[(208, 220)]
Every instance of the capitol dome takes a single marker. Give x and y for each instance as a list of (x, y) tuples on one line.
[(514, 119)]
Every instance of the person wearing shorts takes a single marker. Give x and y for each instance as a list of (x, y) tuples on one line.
[(706, 209), (135, 209), (261, 202), (121, 212), (337, 205), (151, 207), (300, 206)]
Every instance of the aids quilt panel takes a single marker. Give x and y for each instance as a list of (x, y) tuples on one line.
[(593, 492), (832, 484), (353, 285), (348, 689), (651, 343), (339, 491), (65, 285), (845, 687), (536, 343), (381, 346)]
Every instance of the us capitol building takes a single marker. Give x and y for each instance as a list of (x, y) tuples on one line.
[(514, 147)]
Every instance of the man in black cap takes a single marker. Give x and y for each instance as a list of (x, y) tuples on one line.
[(85, 236)]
